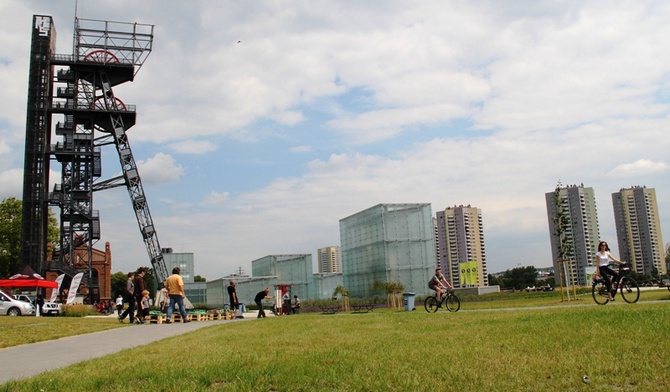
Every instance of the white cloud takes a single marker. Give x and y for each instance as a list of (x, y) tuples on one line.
[(4, 148), (215, 199), (300, 149), (193, 147), (639, 167), (161, 168), (11, 183)]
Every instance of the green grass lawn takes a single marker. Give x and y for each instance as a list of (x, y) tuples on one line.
[(619, 347), (26, 329)]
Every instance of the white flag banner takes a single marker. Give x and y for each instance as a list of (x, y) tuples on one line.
[(54, 292), (73, 288)]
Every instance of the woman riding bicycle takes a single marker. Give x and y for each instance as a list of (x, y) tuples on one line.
[(439, 283), (602, 260)]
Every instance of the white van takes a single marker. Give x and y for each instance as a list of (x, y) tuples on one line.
[(14, 307)]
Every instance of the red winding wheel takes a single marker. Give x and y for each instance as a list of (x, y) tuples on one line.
[(117, 104), (102, 56)]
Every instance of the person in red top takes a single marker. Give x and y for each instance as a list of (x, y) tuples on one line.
[(175, 287)]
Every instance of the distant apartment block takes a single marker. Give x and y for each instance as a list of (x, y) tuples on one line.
[(638, 229), (388, 242), (330, 259), (460, 246), (582, 232)]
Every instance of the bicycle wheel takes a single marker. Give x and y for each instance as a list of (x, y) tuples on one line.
[(453, 303), (599, 292), (430, 304), (630, 291)]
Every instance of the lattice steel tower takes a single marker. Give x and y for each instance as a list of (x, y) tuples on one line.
[(78, 92)]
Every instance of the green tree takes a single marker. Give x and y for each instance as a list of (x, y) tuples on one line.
[(521, 277), (199, 278), (150, 280), (11, 210), (118, 284), (10, 236), (562, 225)]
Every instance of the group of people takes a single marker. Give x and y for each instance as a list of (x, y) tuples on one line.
[(235, 304), (104, 307), (287, 306), (136, 296)]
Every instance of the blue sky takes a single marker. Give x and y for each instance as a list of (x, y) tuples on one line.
[(326, 108)]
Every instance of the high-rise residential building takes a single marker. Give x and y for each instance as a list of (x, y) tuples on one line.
[(638, 230), (387, 243), (460, 246), (330, 259), (578, 205)]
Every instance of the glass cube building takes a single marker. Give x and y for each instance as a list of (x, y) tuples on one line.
[(385, 243), (295, 270)]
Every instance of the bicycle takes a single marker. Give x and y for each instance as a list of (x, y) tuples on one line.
[(451, 301), (630, 291)]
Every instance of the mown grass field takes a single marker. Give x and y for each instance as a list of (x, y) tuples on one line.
[(619, 347)]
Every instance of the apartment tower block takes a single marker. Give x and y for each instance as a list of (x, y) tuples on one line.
[(460, 246), (638, 230), (577, 204)]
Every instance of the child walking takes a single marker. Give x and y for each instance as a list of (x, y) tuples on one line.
[(144, 308)]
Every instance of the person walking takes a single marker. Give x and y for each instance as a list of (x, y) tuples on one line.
[(119, 305), (296, 304), (234, 302), (143, 308), (140, 286), (175, 286), (286, 303), (258, 300), (128, 295)]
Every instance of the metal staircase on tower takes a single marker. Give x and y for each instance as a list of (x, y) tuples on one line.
[(106, 54)]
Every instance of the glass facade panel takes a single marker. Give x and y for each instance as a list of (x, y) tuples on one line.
[(388, 242)]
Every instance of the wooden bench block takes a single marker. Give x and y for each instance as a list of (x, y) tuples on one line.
[(155, 319)]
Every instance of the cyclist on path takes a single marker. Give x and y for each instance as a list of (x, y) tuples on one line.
[(602, 260), (439, 283)]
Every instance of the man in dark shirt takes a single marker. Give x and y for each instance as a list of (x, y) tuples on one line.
[(258, 300), (234, 303), (140, 286)]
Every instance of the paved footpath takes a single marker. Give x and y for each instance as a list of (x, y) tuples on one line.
[(31, 359)]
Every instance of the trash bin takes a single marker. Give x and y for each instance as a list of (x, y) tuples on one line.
[(408, 300)]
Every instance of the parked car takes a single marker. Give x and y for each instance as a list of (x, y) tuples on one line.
[(50, 309), (25, 298), (13, 307)]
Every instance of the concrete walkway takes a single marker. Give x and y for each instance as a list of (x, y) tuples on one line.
[(31, 359)]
